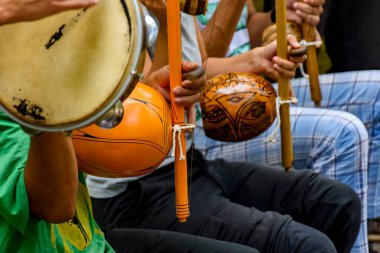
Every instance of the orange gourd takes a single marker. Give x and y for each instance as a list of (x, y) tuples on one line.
[(134, 147)]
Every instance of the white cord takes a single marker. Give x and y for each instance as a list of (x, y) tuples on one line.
[(273, 136), (304, 43), (177, 129), (311, 43), (303, 73)]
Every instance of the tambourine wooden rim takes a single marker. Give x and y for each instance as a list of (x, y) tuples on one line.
[(127, 81)]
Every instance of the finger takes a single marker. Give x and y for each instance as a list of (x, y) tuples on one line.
[(285, 64), (315, 2), (187, 101), (188, 66), (73, 4), (271, 73), (181, 92), (269, 49), (297, 59), (268, 70), (193, 85), (292, 16), (292, 41), (307, 8), (309, 18), (284, 72)]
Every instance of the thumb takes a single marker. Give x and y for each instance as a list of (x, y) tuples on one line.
[(162, 76), (270, 50), (188, 66)]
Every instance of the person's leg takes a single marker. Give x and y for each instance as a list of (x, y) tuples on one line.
[(152, 206), (333, 143), (125, 240), (357, 93), (308, 197)]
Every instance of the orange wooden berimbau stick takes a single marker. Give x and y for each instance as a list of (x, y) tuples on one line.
[(178, 113)]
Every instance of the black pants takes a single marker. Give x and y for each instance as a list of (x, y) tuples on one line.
[(154, 241), (258, 206), (352, 37)]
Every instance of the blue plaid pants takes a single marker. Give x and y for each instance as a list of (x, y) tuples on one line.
[(332, 142)]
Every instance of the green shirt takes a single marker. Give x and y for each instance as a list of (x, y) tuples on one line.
[(20, 231)]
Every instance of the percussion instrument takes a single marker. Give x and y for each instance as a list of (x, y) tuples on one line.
[(134, 147), (237, 106), (65, 71)]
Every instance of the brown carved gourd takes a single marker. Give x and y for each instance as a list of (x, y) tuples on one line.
[(237, 106)]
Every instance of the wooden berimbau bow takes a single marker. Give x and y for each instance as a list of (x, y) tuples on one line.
[(178, 114), (283, 86), (308, 32)]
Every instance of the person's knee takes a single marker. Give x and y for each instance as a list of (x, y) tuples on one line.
[(354, 131), (351, 205), (302, 238)]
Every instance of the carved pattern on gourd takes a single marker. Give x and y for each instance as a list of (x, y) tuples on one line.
[(237, 106)]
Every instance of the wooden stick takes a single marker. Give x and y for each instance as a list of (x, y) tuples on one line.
[(178, 114), (312, 64), (283, 86)]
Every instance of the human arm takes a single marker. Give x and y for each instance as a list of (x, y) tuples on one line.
[(220, 29), (260, 60), (257, 22), (12, 11), (158, 9), (218, 33), (51, 177)]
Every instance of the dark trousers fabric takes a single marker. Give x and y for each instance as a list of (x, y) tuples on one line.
[(258, 206), (351, 30), (154, 241)]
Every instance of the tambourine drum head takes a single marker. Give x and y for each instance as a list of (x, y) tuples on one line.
[(237, 106), (63, 71), (136, 146), (270, 33)]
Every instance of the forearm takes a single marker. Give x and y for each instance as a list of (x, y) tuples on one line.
[(219, 31), (161, 52), (241, 63), (257, 23), (13, 11), (51, 177)]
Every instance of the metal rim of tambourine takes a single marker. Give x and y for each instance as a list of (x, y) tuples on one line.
[(127, 86)]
